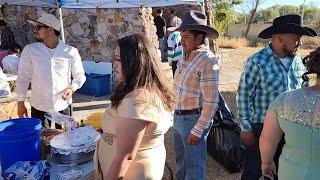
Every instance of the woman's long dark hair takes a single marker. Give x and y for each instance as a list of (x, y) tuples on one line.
[(312, 63), (140, 69)]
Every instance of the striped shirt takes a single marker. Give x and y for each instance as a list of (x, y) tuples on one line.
[(196, 86), (263, 79), (175, 50)]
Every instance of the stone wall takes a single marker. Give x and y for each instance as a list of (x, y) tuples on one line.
[(93, 31)]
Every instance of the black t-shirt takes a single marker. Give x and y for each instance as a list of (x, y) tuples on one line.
[(160, 23)]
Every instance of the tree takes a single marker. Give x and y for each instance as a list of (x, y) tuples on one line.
[(288, 9), (223, 14), (253, 11), (208, 11), (308, 13), (2, 11)]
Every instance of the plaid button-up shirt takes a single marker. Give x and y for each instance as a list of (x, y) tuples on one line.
[(263, 79), (196, 86)]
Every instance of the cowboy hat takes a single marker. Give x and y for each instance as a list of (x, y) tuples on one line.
[(289, 24), (196, 20), (48, 20)]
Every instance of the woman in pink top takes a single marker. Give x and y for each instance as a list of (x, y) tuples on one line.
[(133, 128)]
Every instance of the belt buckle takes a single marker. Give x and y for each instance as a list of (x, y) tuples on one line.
[(177, 112)]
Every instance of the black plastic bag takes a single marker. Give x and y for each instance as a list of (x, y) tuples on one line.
[(223, 142)]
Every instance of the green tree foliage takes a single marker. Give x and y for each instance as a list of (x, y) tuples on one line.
[(287, 9), (309, 14), (223, 14), (1, 11), (267, 15), (317, 26)]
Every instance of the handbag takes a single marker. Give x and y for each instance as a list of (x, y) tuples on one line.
[(223, 142)]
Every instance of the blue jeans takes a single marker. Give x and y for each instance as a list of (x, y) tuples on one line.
[(190, 159)]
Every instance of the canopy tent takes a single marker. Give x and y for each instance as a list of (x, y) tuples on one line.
[(76, 4), (99, 3)]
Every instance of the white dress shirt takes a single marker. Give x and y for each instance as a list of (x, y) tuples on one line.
[(49, 72)]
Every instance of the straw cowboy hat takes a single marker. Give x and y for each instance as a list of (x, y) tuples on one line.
[(196, 20), (48, 20), (289, 24)]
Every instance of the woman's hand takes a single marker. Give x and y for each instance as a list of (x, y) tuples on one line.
[(268, 169)]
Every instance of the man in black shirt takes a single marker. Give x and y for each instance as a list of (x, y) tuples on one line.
[(160, 23)]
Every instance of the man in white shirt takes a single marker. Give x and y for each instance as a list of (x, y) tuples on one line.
[(54, 69)]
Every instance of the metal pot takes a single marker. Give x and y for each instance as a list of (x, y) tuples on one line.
[(77, 158)]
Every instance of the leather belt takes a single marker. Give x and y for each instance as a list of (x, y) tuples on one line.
[(186, 112)]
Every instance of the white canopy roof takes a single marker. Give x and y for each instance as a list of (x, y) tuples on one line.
[(76, 4), (98, 3)]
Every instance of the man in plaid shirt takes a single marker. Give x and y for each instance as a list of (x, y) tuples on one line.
[(196, 86), (271, 71)]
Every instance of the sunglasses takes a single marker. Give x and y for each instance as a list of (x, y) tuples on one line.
[(38, 27)]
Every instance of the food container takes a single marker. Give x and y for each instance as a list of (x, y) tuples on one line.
[(75, 146)]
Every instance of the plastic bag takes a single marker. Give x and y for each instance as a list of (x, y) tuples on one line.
[(223, 142), (69, 172), (68, 121), (29, 170), (5, 90), (2, 75)]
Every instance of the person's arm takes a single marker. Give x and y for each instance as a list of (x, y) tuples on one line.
[(209, 80), (77, 72), (78, 76), (130, 133), (164, 28), (246, 90), (269, 140), (23, 80), (171, 49)]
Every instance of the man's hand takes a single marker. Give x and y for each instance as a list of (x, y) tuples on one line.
[(22, 110), (247, 138), (193, 140), (67, 94), (170, 63), (268, 169)]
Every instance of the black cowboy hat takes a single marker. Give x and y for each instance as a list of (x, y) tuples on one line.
[(196, 20), (289, 24)]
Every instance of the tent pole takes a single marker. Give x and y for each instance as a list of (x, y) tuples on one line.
[(61, 21)]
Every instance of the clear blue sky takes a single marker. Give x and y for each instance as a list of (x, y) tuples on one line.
[(269, 3)]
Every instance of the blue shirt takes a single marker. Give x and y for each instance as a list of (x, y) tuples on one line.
[(263, 79)]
